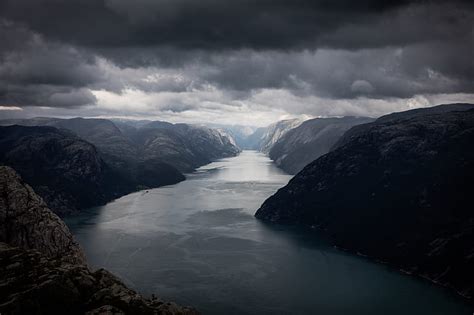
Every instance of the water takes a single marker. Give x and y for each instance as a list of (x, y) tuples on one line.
[(197, 243)]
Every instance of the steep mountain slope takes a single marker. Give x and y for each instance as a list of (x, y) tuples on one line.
[(274, 132), (397, 190), (186, 147), (66, 171), (116, 148), (122, 153), (208, 143), (241, 134), (263, 138), (44, 270), (308, 141)]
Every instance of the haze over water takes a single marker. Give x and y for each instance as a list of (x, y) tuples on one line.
[(197, 243)]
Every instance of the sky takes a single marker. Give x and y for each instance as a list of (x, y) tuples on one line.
[(246, 62)]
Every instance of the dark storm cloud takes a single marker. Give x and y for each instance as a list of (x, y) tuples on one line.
[(213, 24), (204, 54), (432, 67), (36, 72)]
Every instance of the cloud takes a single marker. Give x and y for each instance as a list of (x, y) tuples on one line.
[(34, 71), (254, 60), (331, 73), (362, 87), (237, 24)]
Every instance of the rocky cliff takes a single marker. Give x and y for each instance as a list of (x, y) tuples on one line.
[(398, 190), (44, 270), (26, 221), (274, 132), (308, 141), (242, 135)]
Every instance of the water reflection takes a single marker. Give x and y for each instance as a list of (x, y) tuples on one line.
[(198, 243)]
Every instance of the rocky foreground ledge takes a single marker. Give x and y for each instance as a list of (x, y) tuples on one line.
[(43, 269)]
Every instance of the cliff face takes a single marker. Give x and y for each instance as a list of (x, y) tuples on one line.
[(398, 190), (65, 170), (308, 141), (26, 222), (245, 137), (44, 270), (274, 132)]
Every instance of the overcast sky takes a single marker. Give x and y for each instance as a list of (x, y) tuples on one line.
[(248, 62)]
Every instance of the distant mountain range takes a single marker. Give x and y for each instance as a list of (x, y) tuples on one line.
[(78, 163), (396, 189), (261, 139), (293, 143)]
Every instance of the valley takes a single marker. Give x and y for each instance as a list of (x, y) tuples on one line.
[(197, 243), (209, 216)]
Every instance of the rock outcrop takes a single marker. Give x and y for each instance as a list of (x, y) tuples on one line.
[(398, 190), (308, 141), (44, 270), (26, 221)]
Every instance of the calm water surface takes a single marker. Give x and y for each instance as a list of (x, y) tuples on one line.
[(197, 243)]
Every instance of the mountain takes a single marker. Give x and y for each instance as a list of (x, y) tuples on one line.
[(116, 148), (130, 122), (158, 124), (208, 143), (184, 146), (308, 141), (88, 162), (242, 135), (398, 190), (440, 109), (122, 153), (44, 270), (79, 163), (68, 172), (275, 131), (253, 138), (132, 147)]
